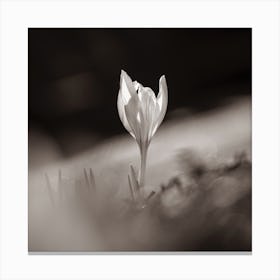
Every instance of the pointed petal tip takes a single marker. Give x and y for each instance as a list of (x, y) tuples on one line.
[(123, 74), (163, 90), (126, 78), (162, 79), (162, 100)]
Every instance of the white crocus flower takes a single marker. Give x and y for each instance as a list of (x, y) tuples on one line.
[(141, 113)]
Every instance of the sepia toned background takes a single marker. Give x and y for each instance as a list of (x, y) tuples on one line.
[(73, 79), (199, 161)]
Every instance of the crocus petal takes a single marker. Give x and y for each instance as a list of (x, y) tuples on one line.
[(162, 97), (146, 93), (126, 87), (132, 111), (162, 100), (154, 122), (140, 111), (126, 92), (136, 85), (148, 104), (122, 114)]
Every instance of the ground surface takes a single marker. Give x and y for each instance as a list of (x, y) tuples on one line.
[(199, 167)]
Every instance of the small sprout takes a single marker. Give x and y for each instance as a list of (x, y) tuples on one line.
[(49, 188), (60, 186), (86, 178), (135, 183), (92, 179), (131, 189)]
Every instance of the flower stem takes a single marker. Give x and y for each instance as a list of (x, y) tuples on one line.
[(143, 153)]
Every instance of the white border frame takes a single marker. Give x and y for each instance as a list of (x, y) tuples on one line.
[(262, 16)]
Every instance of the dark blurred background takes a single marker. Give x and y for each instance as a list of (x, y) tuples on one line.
[(73, 79)]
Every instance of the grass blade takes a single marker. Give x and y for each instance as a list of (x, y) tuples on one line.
[(86, 178), (60, 189), (92, 179), (131, 188), (134, 180), (49, 188)]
